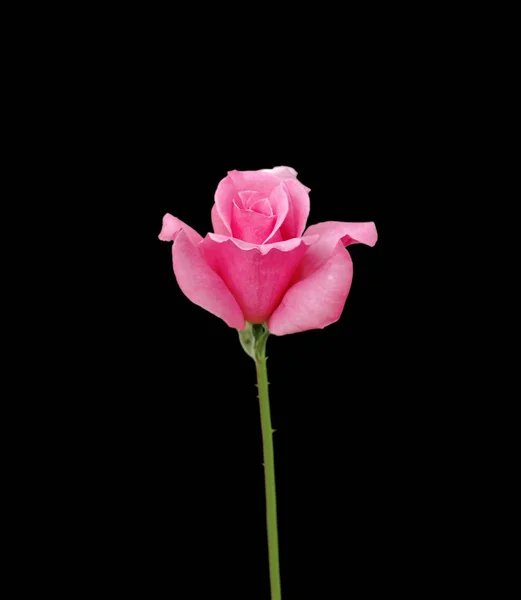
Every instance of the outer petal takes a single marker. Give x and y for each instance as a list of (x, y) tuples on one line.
[(349, 233), (217, 222), (298, 212), (259, 181), (224, 195), (282, 172), (257, 276), (317, 300), (331, 232), (201, 284), (172, 226)]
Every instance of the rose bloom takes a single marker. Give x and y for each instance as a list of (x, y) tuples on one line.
[(259, 265)]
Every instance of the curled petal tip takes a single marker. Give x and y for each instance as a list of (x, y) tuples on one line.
[(171, 228)]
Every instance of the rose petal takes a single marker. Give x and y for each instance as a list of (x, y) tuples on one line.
[(258, 181), (298, 212), (224, 195), (282, 172), (218, 225), (172, 226), (262, 206), (201, 284), (323, 278), (349, 233), (247, 198), (251, 226), (330, 233), (283, 246), (317, 300), (279, 203), (257, 276)]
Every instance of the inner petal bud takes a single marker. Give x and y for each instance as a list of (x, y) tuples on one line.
[(262, 206), (256, 201)]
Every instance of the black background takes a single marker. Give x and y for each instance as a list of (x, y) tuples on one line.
[(158, 445), (137, 454)]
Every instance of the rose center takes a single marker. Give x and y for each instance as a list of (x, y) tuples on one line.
[(254, 201)]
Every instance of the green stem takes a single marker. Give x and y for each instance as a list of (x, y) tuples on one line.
[(269, 473), (253, 340)]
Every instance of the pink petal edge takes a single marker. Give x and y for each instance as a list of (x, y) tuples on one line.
[(284, 246), (282, 172), (217, 222), (349, 233), (279, 202), (259, 181), (171, 228), (298, 212), (330, 233), (224, 201)]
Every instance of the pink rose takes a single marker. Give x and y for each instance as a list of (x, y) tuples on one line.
[(258, 265)]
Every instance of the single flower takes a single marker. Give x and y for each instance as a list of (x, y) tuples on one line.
[(259, 265)]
